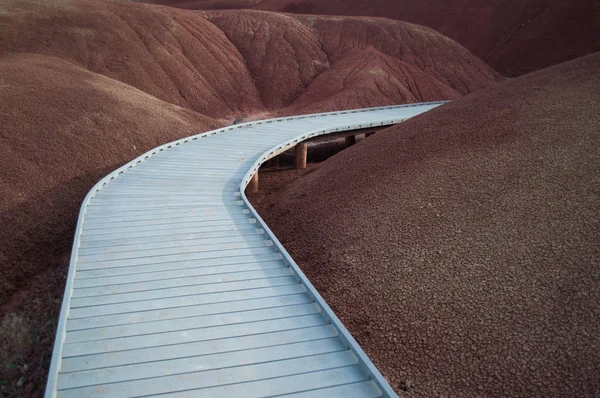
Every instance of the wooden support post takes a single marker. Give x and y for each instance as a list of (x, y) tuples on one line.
[(253, 186), (301, 154), (276, 161), (350, 140)]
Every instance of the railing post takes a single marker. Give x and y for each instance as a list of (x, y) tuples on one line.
[(350, 140), (253, 186), (301, 154)]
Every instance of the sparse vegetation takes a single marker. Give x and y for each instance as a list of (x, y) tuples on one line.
[(15, 339), (27, 336), (16, 343)]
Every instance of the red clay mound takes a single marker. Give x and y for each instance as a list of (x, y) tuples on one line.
[(231, 64), (87, 85), (436, 55), (203, 61), (282, 54), (460, 247), (315, 63), (513, 37), (174, 55), (211, 4), (365, 76), (63, 128)]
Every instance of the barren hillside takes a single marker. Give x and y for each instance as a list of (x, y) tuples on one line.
[(63, 128), (175, 55), (86, 86), (315, 63), (209, 63), (202, 66), (460, 247), (514, 37)]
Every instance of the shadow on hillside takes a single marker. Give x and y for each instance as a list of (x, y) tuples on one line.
[(37, 237)]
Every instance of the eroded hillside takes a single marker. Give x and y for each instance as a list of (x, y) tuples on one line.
[(294, 58), (514, 37), (207, 67), (86, 86)]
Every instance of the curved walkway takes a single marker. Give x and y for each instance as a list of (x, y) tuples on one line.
[(177, 287)]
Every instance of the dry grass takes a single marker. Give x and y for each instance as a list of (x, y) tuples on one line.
[(25, 350), (27, 334), (16, 343), (15, 339)]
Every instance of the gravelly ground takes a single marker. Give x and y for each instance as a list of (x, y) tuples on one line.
[(461, 247)]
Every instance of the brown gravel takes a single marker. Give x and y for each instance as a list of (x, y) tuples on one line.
[(461, 247)]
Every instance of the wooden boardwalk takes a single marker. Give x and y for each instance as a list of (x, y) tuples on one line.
[(176, 287)]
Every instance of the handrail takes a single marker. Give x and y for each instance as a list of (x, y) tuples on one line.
[(347, 339)]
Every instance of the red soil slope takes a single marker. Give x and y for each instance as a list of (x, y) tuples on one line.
[(87, 85), (460, 247), (368, 75), (62, 129), (205, 62), (314, 63), (514, 37), (209, 63), (174, 55), (283, 55)]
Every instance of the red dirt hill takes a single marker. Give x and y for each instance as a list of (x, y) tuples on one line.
[(174, 55), (204, 62), (207, 61), (460, 247), (63, 128), (514, 37), (86, 86), (291, 59)]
